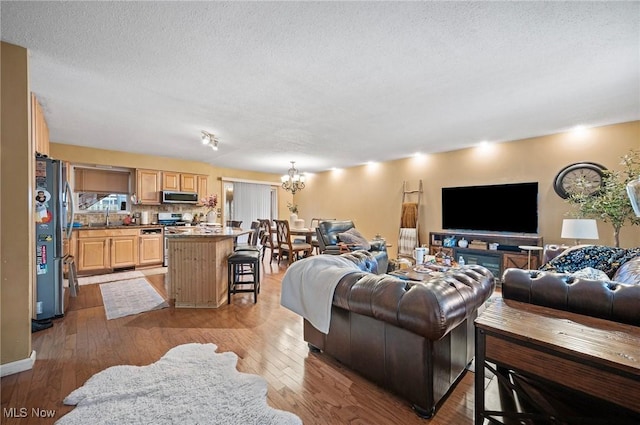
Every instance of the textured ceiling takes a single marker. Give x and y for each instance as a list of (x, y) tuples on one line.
[(324, 83)]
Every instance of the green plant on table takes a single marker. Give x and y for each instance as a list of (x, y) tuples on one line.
[(293, 208), (611, 204)]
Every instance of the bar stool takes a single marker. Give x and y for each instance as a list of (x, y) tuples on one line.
[(72, 274), (239, 264)]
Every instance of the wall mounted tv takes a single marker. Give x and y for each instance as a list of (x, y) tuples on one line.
[(493, 208)]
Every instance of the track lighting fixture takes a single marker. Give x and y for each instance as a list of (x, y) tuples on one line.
[(209, 139)]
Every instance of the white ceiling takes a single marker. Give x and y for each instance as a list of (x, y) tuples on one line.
[(324, 83)]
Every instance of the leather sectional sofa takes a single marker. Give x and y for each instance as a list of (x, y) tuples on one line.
[(412, 338)]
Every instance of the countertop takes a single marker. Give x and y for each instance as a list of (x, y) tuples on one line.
[(120, 226), (219, 232)]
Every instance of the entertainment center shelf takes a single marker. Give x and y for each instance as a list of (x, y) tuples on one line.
[(507, 255)]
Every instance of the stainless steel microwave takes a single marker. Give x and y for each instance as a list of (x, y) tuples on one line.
[(169, 197)]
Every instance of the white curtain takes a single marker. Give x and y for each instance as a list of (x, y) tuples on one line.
[(251, 201)]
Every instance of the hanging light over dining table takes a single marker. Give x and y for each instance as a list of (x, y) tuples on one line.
[(293, 181)]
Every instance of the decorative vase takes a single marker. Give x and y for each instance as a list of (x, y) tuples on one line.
[(292, 219), (463, 243), (211, 216)]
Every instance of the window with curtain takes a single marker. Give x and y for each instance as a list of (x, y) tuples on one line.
[(251, 201)]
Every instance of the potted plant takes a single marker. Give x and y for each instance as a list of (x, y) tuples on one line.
[(611, 204), (293, 209), (210, 202)]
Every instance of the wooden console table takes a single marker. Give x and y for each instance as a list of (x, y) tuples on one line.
[(596, 359), (508, 254)]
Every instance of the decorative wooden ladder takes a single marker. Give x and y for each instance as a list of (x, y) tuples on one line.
[(408, 237)]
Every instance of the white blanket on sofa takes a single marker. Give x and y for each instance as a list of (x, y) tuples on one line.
[(308, 286)]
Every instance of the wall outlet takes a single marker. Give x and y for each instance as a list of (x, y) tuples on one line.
[(39, 307)]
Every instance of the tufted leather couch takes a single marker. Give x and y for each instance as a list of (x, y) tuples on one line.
[(328, 240), (616, 299), (412, 338)]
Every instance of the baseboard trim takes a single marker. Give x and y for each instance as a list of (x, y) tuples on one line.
[(18, 365)]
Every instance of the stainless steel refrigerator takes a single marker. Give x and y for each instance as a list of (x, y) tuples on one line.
[(54, 219)]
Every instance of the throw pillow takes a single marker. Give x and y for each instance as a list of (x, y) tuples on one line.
[(591, 274), (353, 237), (574, 259)]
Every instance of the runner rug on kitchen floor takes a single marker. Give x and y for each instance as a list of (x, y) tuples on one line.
[(127, 297), (109, 277)]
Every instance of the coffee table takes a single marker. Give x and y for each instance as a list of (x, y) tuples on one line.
[(539, 355)]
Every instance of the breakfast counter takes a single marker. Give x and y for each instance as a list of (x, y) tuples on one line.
[(198, 264)]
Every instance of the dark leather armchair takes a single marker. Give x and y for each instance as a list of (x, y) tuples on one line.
[(329, 242)]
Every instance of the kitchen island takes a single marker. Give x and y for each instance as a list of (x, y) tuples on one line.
[(198, 265)]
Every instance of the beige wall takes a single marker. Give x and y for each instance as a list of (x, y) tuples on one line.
[(84, 155), (16, 226), (371, 195)]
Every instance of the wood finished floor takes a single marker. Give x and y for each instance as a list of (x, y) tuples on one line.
[(266, 337)]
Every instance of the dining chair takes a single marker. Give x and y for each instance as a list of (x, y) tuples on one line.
[(285, 245), (234, 223), (252, 242), (267, 239)]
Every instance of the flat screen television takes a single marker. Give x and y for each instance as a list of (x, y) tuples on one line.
[(492, 208)]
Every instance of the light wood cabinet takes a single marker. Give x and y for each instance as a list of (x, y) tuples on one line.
[(188, 183), (39, 128), (202, 183), (150, 249), (170, 181), (124, 251), (101, 181), (148, 186), (179, 182), (191, 283), (104, 249), (93, 254)]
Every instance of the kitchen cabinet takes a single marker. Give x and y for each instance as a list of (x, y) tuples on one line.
[(124, 251), (150, 249), (39, 128), (170, 181), (179, 182), (188, 183), (148, 186), (100, 181), (93, 254), (102, 249), (202, 183)]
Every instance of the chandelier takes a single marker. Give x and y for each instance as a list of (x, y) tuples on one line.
[(293, 181), (208, 139)]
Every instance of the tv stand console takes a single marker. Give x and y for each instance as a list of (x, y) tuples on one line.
[(508, 253)]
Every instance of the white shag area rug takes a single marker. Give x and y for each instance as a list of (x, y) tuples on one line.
[(191, 384), (127, 297)]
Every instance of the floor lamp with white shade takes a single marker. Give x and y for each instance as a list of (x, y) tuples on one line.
[(579, 228)]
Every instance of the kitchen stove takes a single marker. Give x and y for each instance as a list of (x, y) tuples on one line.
[(169, 220)]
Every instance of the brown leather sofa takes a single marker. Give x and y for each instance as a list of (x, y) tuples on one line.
[(616, 299), (412, 338)]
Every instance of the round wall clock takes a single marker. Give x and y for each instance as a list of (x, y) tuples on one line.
[(581, 177)]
